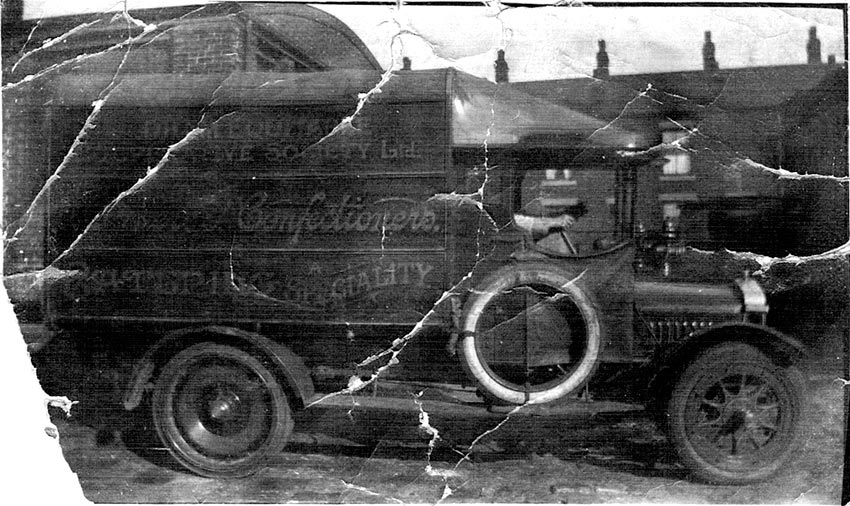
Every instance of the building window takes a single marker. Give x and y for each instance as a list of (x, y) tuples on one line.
[(559, 177), (272, 53), (678, 158), (671, 211)]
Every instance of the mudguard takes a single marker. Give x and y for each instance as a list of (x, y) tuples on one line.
[(286, 364), (785, 350)]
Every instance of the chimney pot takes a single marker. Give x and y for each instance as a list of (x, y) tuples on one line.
[(709, 63), (501, 67), (405, 63), (830, 59), (601, 70), (813, 47)]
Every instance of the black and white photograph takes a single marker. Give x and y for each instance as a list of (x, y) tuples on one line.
[(425, 252)]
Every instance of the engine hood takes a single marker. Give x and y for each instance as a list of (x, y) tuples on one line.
[(660, 297)]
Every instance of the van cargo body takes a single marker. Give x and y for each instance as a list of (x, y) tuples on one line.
[(273, 199)]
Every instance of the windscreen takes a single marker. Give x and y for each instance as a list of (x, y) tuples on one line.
[(498, 115), (584, 193)]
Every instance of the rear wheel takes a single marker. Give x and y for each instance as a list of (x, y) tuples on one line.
[(531, 334), (220, 411), (734, 414)]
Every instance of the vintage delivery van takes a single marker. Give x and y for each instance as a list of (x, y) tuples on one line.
[(264, 239)]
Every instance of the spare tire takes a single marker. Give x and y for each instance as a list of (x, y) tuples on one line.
[(530, 334)]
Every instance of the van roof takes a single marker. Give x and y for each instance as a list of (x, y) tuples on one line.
[(481, 111)]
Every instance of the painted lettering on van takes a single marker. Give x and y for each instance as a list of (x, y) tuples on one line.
[(396, 149), (261, 214), (317, 292), (230, 152), (246, 151), (374, 279), (155, 282), (244, 127)]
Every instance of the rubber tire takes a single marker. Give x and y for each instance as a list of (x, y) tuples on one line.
[(277, 423), (726, 358), (509, 277)]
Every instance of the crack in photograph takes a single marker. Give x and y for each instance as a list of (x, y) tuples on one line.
[(411, 252)]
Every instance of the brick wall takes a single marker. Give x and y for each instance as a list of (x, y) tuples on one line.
[(815, 142), (207, 46)]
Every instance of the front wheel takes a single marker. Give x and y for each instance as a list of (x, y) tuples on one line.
[(734, 414), (219, 411)]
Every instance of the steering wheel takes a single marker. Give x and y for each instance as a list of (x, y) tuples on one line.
[(557, 242), (562, 233)]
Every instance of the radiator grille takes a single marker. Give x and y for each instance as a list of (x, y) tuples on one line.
[(672, 330)]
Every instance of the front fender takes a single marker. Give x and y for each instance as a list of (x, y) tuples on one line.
[(783, 349)]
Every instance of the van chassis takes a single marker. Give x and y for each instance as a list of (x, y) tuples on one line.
[(720, 382)]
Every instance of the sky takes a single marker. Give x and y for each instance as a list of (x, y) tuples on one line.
[(549, 43), (552, 43)]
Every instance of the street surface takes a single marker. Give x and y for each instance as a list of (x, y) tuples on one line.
[(381, 455)]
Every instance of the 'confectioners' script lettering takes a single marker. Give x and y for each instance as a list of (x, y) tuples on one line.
[(261, 214)]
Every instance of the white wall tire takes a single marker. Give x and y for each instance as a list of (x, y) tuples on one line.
[(554, 286)]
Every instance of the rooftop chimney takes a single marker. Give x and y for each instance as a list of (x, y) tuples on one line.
[(405, 63), (813, 46), (601, 70), (501, 67), (830, 59), (709, 63)]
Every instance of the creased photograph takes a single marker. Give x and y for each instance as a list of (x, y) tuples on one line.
[(406, 252)]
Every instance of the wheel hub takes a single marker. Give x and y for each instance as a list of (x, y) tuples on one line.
[(738, 415), (224, 407)]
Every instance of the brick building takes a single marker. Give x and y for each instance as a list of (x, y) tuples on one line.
[(721, 130), (720, 127), (216, 38)]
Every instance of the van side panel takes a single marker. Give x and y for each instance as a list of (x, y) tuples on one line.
[(272, 214)]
